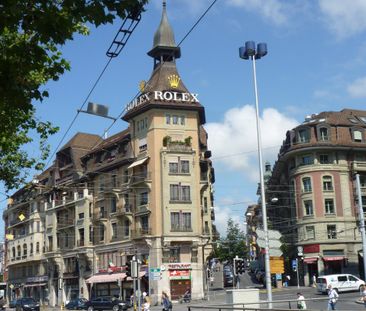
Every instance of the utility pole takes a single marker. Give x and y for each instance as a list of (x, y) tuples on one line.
[(362, 222)]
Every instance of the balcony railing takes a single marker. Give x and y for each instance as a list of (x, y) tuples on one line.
[(140, 177), (65, 224), (140, 232), (181, 229), (144, 208), (359, 165)]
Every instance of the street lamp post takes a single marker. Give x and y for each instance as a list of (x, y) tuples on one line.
[(250, 52)]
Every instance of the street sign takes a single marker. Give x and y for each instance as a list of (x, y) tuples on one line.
[(300, 251), (155, 274)]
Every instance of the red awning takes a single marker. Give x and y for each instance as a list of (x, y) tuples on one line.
[(333, 258), (310, 259), (106, 278)]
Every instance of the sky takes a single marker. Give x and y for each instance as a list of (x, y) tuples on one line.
[(315, 63)]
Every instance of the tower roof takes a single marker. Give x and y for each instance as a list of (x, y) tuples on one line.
[(164, 42)]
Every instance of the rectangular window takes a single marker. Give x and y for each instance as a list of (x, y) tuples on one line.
[(180, 193), (113, 205), (182, 120), (144, 220), (184, 166), (310, 232), (101, 183), (144, 198), (332, 232), (81, 215), (175, 119), (114, 230), (187, 224), (357, 136), (306, 182), (303, 136), (101, 233), (308, 205), (324, 159), (363, 181), (167, 119), (307, 160), (205, 205), (126, 228), (329, 206), (173, 168), (364, 203), (323, 133), (327, 183), (174, 221)]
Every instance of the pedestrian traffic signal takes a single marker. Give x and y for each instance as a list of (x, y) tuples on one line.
[(128, 268), (239, 266)]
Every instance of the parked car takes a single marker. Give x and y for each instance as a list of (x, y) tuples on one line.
[(106, 303), (12, 303), (340, 282), (77, 304), (26, 304)]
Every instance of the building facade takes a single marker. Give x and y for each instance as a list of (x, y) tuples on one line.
[(314, 181), (145, 192)]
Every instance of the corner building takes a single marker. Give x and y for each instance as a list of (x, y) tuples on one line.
[(146, 192), (171, 150), (314, 180)]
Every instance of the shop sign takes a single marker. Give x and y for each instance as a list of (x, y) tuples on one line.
[(110, 270), (179, 274), (312, 248), (179, 266), (35, 279)]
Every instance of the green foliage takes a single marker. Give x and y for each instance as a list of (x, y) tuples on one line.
[(31, 35), (233, 244)]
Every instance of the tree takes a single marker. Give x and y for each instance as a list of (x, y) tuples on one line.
[(31, 34), (232, 245)]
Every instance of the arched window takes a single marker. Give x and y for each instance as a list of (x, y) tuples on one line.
[(25, 250), (31, 249), (13, 251), (19, 251), (37, 247)]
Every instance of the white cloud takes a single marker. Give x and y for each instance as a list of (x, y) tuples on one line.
[(234, 142), (222, 216), (273, 10), (344, 18), (357, 88)]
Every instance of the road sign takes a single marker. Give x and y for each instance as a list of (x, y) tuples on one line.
[(155, 274)]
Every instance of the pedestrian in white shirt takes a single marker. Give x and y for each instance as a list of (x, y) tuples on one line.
[(333, 297), (301, 305)]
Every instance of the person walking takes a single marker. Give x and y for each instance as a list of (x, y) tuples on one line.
[(165, 301), (301, 304), (363, 294), (147, 302), (333, 297)]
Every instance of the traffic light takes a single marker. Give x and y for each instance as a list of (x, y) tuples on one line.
[(128, 268), (241, 267)]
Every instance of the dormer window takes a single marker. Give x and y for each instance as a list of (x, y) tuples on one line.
[(323, 133), (303, 136), (357, 136)]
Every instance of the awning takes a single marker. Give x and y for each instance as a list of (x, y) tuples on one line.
[(106, 278), (141, 274), (138, 162), (35, 284), (310, 260), (333, 258)]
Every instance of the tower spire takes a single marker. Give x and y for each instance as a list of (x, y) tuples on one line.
[(164, 46)]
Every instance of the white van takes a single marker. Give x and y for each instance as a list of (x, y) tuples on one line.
[(340, 282)]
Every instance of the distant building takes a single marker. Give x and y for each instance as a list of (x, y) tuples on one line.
[(314, 181), (145, 192)]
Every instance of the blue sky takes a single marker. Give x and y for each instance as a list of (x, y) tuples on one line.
[(315, 63)]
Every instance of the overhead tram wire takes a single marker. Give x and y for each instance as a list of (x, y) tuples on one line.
[(118, 47)]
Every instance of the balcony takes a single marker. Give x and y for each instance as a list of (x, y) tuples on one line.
[(124, 211), (141, 232), (80, 243), (64, 224), (140, 177), (181, 229), (179, 147), (359, 166), (101, 216), (142, 209)]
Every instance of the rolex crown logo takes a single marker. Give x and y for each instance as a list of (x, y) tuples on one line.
[(173, 81)]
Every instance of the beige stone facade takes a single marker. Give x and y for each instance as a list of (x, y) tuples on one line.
[(145, 192)]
